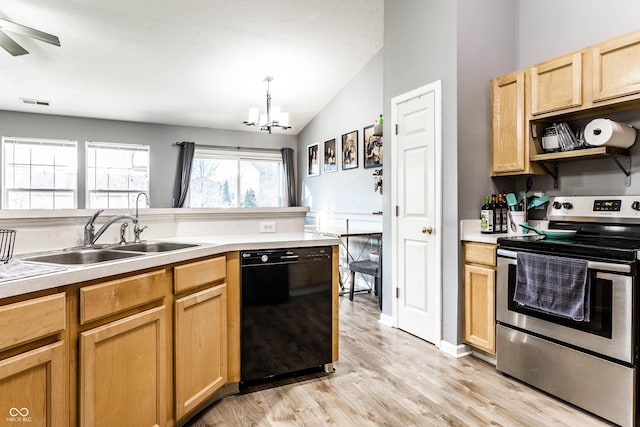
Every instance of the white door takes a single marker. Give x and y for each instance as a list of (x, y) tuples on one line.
[(417, 242)]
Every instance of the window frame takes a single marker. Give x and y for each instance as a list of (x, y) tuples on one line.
[(43, 142), (114, 145), (240, 154)]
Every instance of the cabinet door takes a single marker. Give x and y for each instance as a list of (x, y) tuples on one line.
[(556, 84), (200, 347), (508, 138), (123, 372), (479, 307), (33, 388), (616, 67)]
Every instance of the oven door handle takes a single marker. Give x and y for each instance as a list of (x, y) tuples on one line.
[(506, 254), (591, 265)]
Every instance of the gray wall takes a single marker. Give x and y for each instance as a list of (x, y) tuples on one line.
[(420, 45), (356, 106), (550, 28), (486, 49), (584, 23), (464, 44), (160, 138)]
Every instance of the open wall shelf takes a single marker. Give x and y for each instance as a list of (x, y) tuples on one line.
[(550, 161)]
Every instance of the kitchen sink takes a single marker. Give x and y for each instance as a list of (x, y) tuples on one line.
[(154, 246), (94, 255), (81, 257)]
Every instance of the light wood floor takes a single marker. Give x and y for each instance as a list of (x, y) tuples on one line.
[(386, 377)]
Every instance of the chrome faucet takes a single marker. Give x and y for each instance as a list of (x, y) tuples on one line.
[(89, 228), (91, 236), (137, 228), (138, 199)]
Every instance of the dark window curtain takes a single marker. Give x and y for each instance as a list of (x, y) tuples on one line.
[(290, 177), (183, 173)]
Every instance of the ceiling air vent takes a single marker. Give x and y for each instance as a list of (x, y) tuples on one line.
[(35, 102)]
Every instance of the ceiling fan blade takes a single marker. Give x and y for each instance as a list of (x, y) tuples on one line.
[(36, 34), (8, 44)]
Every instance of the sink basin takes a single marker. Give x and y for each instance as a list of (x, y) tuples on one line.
[(154, 246), (81, 257)]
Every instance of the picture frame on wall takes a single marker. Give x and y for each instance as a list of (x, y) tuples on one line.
[(330, 158), (372, 148), (350, 150), (313, 161)]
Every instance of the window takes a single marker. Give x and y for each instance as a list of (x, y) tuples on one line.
[(236, 179), (39, 174), (116, 173)]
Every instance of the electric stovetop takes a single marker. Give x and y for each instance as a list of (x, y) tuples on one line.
[(607, 228)]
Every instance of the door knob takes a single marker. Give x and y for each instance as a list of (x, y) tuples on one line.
[(427, 230)]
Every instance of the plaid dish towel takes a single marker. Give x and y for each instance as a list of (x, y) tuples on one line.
[(552, 284)]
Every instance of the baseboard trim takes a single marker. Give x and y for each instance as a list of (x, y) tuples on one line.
[(484, 356), (457, 351), (386, 320)]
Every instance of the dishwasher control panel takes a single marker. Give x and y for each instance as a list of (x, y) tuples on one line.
[(272, 256)]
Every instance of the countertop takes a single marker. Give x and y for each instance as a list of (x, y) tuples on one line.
[(208, 246), (470, 232)]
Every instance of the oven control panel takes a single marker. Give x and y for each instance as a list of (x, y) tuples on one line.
[(615, 208), (610, 205)]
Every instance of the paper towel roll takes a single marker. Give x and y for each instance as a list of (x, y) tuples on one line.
[(607, 132)]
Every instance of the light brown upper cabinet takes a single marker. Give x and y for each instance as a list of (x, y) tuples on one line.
[(596, 81), (616, 67), (556, 84), (509, 151)]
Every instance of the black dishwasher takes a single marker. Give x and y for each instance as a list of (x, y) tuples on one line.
[(286, 319)]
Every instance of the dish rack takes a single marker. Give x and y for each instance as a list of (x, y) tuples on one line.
[(7, 242)]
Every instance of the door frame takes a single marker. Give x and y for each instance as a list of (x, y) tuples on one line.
[(435, 87)]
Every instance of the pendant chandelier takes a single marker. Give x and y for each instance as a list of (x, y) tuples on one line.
[(273, 118)]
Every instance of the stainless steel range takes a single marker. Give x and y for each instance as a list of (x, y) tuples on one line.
[(567, 310)]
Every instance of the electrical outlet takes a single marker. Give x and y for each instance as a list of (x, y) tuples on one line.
[(267, 226)]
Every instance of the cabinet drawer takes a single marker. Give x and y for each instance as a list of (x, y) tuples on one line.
[(199, 273), (30, 320), (480, 253), (118, 295)]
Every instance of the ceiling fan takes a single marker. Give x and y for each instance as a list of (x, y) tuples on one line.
[(10, 45)]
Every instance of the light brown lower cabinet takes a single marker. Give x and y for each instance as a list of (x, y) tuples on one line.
[(32, 387), (200, 347), (479, 296), (123, 372), (33, 369), (142, 349)]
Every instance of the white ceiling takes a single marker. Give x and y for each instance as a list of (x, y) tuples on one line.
[(187, 62)]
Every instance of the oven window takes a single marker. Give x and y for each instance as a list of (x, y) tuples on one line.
[(601, 304)]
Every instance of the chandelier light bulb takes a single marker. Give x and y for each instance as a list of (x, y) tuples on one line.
[(254, 115), (275, 114)]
